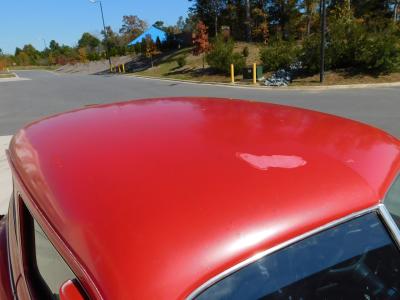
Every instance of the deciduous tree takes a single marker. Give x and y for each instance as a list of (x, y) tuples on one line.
[(132, 27), (200, 40)]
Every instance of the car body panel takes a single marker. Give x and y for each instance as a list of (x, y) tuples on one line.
[(6, 291), (154, 197)]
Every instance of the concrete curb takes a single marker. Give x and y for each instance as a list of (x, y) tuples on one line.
[(289, 88), (5, 175), (16, 78)]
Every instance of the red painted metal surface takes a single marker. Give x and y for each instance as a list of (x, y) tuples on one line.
[(5, 284), (154, 197), (69, 291)]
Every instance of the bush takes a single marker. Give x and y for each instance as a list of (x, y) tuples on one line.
[(379, 52), (181, 61), (353, 45), (221, 57), (310, 56), (279, 55)]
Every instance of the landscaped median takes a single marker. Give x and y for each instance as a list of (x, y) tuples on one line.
[(183, 65), (332, 79), (6, 75)]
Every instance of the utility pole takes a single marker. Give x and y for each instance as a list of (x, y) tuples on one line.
[(323, 35), (105, 31)]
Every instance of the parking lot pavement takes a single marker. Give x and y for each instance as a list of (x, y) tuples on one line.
[(5, 175)]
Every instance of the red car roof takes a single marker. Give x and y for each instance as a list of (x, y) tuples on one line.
[(154, 197)]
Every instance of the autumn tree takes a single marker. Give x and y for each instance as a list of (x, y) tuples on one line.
[(310, 12), (200, 40), (151, 48), (260, 25), (209, 12), (132, 27)]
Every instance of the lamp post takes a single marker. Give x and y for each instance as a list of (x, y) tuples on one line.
[(105, 31), (323, 34)]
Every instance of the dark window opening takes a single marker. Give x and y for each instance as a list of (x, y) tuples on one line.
[(354, 260), (46, 269)]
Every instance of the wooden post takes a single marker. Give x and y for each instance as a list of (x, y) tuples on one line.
[(232, 73), (254, 73)]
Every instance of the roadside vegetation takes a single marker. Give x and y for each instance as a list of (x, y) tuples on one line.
[(362, 42)]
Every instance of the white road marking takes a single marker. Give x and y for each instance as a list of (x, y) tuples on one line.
[(5, 175)]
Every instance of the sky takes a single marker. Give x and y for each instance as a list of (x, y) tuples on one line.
[(37, 22)]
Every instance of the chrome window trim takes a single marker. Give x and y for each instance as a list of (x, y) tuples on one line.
[(380, 209), (390, 224)]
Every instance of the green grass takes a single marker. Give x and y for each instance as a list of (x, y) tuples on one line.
[(6, 75), (47, 68)]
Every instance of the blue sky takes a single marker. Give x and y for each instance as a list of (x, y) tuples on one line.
[(35, 21)]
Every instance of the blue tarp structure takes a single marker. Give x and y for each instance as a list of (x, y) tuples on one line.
[(154, 33)]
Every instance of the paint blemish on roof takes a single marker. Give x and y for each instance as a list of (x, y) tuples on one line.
[(264, 162)]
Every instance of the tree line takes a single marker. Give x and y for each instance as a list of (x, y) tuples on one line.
[(91, 47), (361, 34)]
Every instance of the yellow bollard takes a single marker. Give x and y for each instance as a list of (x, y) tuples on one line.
[(112, 68), (123, 68), (254, 73), (232, 74), (119, 69)]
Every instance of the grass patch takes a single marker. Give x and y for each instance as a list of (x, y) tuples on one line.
[(47, 68), (6, 75), (339, 77), (167, 67)]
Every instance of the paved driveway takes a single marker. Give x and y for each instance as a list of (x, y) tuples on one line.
[(49, 93)]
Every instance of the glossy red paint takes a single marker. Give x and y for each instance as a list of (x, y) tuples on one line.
[(5, 284), (69, 291), (154, 197)]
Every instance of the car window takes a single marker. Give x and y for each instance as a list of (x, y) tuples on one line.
[(51, 266), (47, 270), (392, 201), (354, 260)]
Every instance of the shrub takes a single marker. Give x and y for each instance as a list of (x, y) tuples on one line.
[(310, 56), (181, 61), (353, 45), (379, 52), (221, 56), (279, 55)]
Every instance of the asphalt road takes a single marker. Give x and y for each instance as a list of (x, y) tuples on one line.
[(48, 93)]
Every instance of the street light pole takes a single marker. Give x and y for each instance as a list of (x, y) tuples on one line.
[(105, 31), (323, 34)]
